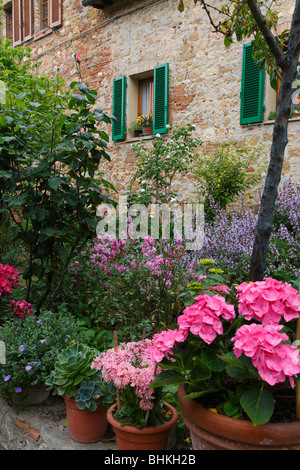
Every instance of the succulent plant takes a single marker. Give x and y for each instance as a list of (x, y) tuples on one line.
[(72, 367), (95, 392)]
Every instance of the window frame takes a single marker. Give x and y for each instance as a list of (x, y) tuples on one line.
[(125, 103), (8, 11), (42, 19)]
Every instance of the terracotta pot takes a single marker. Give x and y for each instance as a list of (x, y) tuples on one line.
[(212, 431), (132, 438), (85, 426), (38, 395), (148, 130)]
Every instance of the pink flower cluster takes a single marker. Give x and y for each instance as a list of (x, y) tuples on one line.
[(163, 343), (21, 308), (9, 277), (268, 301), (129, 366), (203, 318), (273, 360), (106, 251)]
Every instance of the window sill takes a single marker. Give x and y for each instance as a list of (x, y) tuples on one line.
[(37, 36), (42, 34), (132, 140), (268, 123)]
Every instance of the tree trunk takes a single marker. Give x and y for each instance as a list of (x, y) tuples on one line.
[(279, 142)]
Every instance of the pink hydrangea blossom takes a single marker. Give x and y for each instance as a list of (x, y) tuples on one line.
[(203, 318), (268, 301), (273, 360), (163, 343), (129, 366)]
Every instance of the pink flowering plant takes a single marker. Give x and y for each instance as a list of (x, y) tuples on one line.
[(234, 348), (129, 285), (130, 368), (9, 281)]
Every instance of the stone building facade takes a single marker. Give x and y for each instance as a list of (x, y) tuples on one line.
[(130, 40)]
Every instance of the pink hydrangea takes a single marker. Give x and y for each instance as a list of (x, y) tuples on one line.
[(163, 343), (268, 301), (203, 318), (273, 360), (21, 308), (130, 366)]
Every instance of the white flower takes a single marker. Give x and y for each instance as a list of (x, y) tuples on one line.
[(157, 135)]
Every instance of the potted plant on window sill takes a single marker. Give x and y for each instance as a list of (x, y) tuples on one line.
[(146, 122), (85, 393), (136, 128), (233, 357), (140, 420)]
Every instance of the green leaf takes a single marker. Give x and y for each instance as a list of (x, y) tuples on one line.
[(231, 409), (227, 41), (167, 377), (80, 98), (258, 404), (54, 182), (213, 362)]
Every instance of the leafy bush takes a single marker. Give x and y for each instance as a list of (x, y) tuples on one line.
[(50, 148), (31, 349), (226, 173), (158, 164)]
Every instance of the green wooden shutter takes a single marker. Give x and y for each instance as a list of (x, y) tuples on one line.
[(160, 99), (119, 104), (252, 91)]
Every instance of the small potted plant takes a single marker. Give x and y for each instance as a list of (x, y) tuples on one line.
[(146, 122), (84, 392), (32, 344), (234, 359), (136, 128), (140, 420)]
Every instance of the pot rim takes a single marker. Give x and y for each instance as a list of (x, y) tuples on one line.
[(239, 430), (147, 430)]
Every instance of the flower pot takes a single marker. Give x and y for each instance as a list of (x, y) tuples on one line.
[(148, 130), (85, 426), (132, 438), (38, 395), (212, 431)]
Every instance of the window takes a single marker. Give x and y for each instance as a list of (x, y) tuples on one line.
[(145, 98), (148, 93), (23, 20), (22, 16), (44, 14), (272, 98), (253, 92), (252, 89), (9, 23)]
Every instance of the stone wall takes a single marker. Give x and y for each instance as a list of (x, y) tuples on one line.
[(205, 78)]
